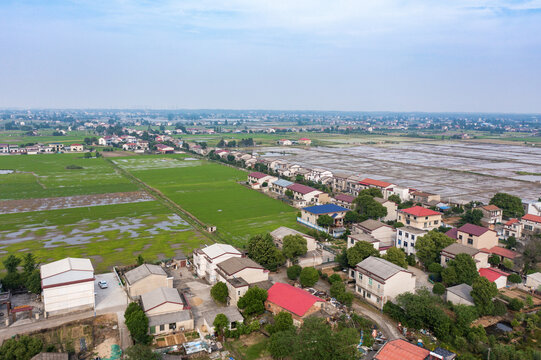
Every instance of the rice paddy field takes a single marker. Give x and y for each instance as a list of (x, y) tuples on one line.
[(214, 194)]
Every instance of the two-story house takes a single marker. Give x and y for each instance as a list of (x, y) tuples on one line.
[(424, 198), (385, 187), (450, 252), (475, 236), (420, 218), (206, 259), (238, 274), (280, 186), (258, 180), (513, 227), (382, 232), (305, 195), (531, 224), (491, 214), (406, 237)]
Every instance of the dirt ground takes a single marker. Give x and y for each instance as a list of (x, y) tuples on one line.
[(521, 295), (67, 202), (113, 154)]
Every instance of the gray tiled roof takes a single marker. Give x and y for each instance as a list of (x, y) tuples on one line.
[(236, 264), (457, 248), (231, 312), (379, 267), (371, 224), (51, 356), (159, 296), (462, 290), (142, 272)]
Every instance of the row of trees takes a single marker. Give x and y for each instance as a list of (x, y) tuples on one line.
[(261, 249), (29, 278)]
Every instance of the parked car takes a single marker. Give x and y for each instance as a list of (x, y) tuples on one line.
[(102, 284)]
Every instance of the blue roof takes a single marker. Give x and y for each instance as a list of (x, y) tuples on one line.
[(325, 209), (282, 183)]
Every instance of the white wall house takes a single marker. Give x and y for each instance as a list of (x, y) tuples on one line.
[(406, 238), (206, 259)]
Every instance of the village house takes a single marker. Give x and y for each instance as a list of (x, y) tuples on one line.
[(257, 180), (4, 148), (67, 285), (231, 312), (316, 175), (475, 236), (494, 275), (459, 295), (285, 142), (354, 185), (533, 281), (362, 237), (424, 198), (311, 214), (382, 232), (513, 227), (129, 146), (391, 207), (164, 149), (238, 274), (401, 350), (503, 253), (385, 187), (145, 278), (76, 148), (531, 224), (167, 311), (206, 259), (54, 147), (402, 192), (406, 237), (339, 182), (420, 218), (279, 166), (280, 186), (450, 252), (344, 200), (33, 150), (532, 207), (305, 195), (491, 214), (304, 141), (379, 281), (313, 256), (299, 303)]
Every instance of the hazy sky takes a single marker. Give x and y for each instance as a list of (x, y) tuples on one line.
[(397, 55)]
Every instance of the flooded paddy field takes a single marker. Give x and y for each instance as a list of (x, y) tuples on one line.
[(455, 170)]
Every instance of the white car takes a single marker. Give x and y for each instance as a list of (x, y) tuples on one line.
[(102, 284)]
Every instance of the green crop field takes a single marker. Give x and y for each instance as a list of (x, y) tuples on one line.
[(45, 175), (43, 137), (210, 192)]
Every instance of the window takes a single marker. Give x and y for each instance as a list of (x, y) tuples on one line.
[(399, 242), (379, 286), (407, 222), (426, 218), (370, 281), (425, 224), (435, 222), (238, 293), (460, 237), (528, 227), (470, 241), (368, 295), (405, 244), (412, 237), (360, 276), (352, 241), (399, 232), (172, 326), (162, 327), (446, 259), (153, 329), (407, 235)]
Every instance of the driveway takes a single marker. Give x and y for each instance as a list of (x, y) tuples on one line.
[(113, 298), (421, 278)]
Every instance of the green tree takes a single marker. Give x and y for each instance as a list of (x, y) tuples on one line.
[(29, 264), (515, 304), (438, 289), (289, 194), (338, 291), (508, 264), (87, 155), (435, 268), (511, 242), (140, 352), (369, 208), (395, 198), (253, 302), (471, 217), (449, 276), (33, 282), (372, 192), (465, 268), (429, 246), (22, 348), (494, 260), (140, 260), (335, 278), (137, 323), (511, 205), (397, 257), (483, 291), (221, 322), (282, 322), (219, 292), (11, 263), (464, 316), (514, 278), (282, 344), (325, 221), (352, 217), (293, 272), (294, 246), (262, 250), (309, 276), (360, 251)]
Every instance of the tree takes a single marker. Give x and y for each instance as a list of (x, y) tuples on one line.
[(464, 316), (137, 323), (338, 291), (11, 263), (325, 221), (352, 217), (494, 260), (282, 344), (397, 257), (508, 264), (483, 291), (335, 278), (289, 194), (372, 192), (465, 268), (394, 198), (33, 282), (360, 251), (262, 250), (29, 263), (449, 276), (435, 268), (140, 260), (511, 242), (309, 276), (293, 272), (23, 348), (140, 352), (253, 302), (515, 304), (87, 155), (219, 292), (511, 205), (429, 246), (220, 323), (366, 206), (514, 278), (282, 322), (294, 246), (438, 289), (471, 217)]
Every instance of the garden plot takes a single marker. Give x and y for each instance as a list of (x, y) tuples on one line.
[(67, 202)]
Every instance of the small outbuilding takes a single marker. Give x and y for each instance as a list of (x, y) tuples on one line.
[(459, 294), (146, 278)]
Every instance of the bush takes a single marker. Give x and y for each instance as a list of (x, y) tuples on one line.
[(499, 308), (309, 276), (514, 278), (219, 292), (293, 272), (435, 268), (335, 278), (515, 304), (438, 289), (74, 167)]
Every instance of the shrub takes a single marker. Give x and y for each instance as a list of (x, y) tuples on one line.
[(74, 167), (515, 304), (499, 308), (514, 278), (309, 276), (438, 289), (219, 292), (293, 272), (435, 268), (335, 278)]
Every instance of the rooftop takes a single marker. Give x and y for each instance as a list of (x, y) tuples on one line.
[(235, 264), (462, 290), (401, 350), (257, 175), (379, 267), (511, 222), (345, 198), (492, 274), (51, 356), (64, 265), (142, 272), (456, 248), (303, 189), (371, 224), (497, 250), (412, 230), (420, 211), (378, 183), (215, 250), (283, 231), (292, 299), (325, 209), (282, 183), (474, 230), (232, 313), (174, 317), (490, 207), (530, 217), (160, 296)]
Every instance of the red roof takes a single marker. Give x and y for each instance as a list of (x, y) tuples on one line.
[(474, 230), (420, 211), (401, 350), (292, 299), (75, 144), (453, 233), (490, 207), (491, 274), (373, 182), (345, 198), (511, 222), (531, 217), (257, 175), (497, 250), (303, 189), (304, 139)]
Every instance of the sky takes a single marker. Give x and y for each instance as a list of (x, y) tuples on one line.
[(358, 55)]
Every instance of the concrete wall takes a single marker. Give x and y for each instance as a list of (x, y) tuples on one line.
[(148, 284), (187, 325), (457, 300), (420, 222), (297, 320), (488, 240), (69, 297)]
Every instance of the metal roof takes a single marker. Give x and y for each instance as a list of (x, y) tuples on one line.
[(379, 267), (325, 209), (457, 248), (160, 296), (64, 265), (142, 272), (283, 231), (282, 183), (371, 224), (215, 250), (231, 312)]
